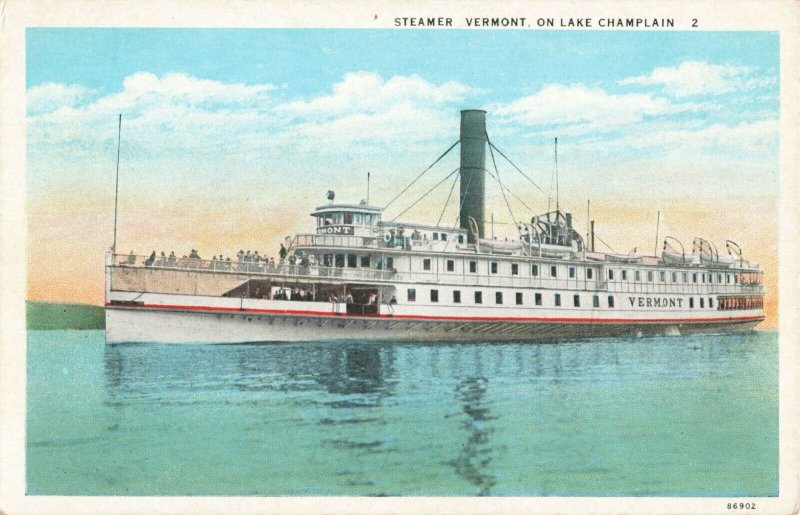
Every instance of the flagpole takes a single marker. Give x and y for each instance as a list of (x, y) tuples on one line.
[(116, 188)]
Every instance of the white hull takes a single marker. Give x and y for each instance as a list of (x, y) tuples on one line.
[(160, 325)]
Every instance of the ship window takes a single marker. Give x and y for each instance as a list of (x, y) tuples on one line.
[(337, 218), (473, 267), (624, 275), (727, 278), (436, 236), (535, 270), (685, 277), (498, 297), (478, 297), (710, 302), (701, 302), (451, 265), (456, 297), (694, 278), (514, 269), (389, 263), (365, 262), (557, 299), (352, 259), (357, 218), (494, 267), (610, 274), (703, 277), (348, 218), (327, 260), (367, 219), (674, 277), (611, 301), (589, 273), (461, 238), (444, 236), (719, 278), (434, 295), (596, 301), (339, 260), (637, 275), (576, 301), (736, 279), (411, 295), (572, 272), (553, 271), (710, 277), (650, 276), (537, 299), (691, 302), (426, 264), (519, 297)]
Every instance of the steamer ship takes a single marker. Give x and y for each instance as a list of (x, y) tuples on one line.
[(359, 276)]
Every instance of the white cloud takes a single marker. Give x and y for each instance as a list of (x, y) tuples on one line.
[(702, 78), (50, 96), (368, 92), (578, 108)]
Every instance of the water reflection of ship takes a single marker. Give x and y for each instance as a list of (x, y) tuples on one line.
[(473, 462), (341, 369)]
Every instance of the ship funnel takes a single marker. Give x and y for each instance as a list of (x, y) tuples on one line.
[(472, 170)]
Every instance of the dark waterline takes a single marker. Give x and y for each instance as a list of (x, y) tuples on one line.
[(671, 416)]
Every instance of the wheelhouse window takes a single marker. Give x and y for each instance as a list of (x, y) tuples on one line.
[(434, 295), (518, 296), (348, 218), (357, 218), (498, 297), (456, 297), (478, 297), (473, 267), (537, 299), (514, 269), (426, 264), (411, 295), (451, 265)]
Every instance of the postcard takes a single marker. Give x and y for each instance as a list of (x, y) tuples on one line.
[(378, 258)]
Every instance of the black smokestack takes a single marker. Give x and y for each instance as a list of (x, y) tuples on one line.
[(473, 166)]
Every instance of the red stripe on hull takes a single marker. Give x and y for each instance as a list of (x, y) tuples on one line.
[(212, 309)]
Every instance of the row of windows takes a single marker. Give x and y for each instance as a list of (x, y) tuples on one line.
[(662, 274), (411, 296), (754, 302)]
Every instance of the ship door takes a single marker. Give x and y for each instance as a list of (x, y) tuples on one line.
[(364, 300)]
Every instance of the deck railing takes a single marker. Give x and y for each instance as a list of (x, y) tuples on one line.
[(315, 272)]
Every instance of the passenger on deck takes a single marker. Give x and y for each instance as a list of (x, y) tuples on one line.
[(295, 295), (309, 297), (348, 298), (132, 258), (149, 261), (172, 260), (282, 252), (240, 255), (162, 261)]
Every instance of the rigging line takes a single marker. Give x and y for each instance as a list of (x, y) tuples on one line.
[(516, 167), (423, 173), (460, 206), (444, 207), (425, 194), (512, 193), (502, 190), (603, 242)]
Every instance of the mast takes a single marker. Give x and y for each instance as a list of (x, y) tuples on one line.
[(658, 221), (556, 161), (116, 187)]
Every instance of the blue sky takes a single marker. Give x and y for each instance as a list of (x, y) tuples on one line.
[(261, 110)]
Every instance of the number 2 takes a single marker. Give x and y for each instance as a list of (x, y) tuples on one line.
[(694, 22)]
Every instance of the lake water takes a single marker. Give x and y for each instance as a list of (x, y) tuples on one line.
[(669, 416)]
